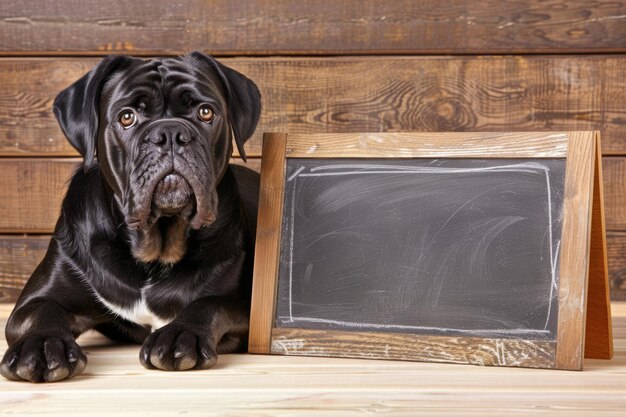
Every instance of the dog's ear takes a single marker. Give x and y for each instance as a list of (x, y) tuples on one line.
[(77, 107), (244, 100)]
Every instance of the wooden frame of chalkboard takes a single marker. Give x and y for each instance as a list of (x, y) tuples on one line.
[(582, 324)]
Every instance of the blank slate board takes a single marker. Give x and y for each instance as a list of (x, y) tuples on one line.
[(427, 246), (438, 247)]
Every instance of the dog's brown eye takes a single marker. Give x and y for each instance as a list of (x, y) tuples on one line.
[(205, 113), (128, 118)]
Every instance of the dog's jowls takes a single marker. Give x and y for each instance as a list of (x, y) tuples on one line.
[(154, 243)]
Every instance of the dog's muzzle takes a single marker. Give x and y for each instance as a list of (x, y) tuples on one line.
[(172, 194), (181, 187)]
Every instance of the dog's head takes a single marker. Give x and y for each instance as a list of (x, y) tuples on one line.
[(162, 132)]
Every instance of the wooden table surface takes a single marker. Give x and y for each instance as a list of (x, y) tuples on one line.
[(114, 383)]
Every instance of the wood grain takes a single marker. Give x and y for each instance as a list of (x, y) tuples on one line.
[(32, 193), (58, 27), (574, 251), (19, 256), (615, 192), (598, 327), (267, 248), (616, 243), (412, 347), (366, 94), (115, 383), (428, 145), (33, 188)]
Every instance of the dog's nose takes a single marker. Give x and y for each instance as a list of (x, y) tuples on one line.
[(171, 135)]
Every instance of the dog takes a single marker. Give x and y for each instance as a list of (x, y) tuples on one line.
[(155, 241)]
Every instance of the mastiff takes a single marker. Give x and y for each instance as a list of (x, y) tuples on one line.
[(155, 241)]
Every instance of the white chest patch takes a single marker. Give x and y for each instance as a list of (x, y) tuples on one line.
[(139, 313)]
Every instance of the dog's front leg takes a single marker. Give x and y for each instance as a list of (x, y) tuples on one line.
[(42, 347), (206, 327)]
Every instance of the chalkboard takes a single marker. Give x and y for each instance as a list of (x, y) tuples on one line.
[(447, 247), (428, 246)]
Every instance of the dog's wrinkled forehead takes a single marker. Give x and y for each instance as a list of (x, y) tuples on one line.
[(164, 85)]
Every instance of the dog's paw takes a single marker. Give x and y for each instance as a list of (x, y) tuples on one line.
[(177, 347), (43, 359)]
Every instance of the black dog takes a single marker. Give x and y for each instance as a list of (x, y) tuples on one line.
[(154, 233)]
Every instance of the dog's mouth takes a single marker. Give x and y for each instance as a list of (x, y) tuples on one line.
[(173, 195), (177, 194), (177, 203)]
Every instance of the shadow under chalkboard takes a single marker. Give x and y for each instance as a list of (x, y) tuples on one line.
[(464, 247)]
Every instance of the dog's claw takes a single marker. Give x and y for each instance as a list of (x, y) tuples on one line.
[(12, 359), (72, 356)]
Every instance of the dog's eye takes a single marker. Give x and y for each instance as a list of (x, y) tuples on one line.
[(205, 113), (128, 118)]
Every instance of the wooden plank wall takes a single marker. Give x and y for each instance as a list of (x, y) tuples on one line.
[(452, 65)]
